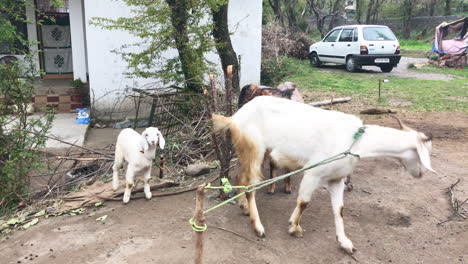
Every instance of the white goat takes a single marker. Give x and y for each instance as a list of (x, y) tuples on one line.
[(298, 135), (138, 152)]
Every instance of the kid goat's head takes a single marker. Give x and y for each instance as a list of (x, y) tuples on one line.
[(415, 158), (152, 136)]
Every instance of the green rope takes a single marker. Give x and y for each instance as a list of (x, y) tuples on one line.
[(227, 187), (196, 227)]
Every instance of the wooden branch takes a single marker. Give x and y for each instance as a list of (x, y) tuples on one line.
[(83, 159), (214, 93), (199, 221), (335, 101), (377, 111)]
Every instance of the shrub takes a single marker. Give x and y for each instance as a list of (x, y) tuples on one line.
[(20, 137)]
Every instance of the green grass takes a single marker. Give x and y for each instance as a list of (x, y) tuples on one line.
[(433, 69), (409, 44), (424, 95)]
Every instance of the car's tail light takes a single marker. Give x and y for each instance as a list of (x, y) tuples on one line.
[(397, 51), (364, 50)]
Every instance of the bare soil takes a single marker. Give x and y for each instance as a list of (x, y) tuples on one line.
[(390, 217)]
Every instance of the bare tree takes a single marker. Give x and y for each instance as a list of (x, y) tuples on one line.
[(276, 6), (323, 10), (373, 9), (223, 42), (407, 7), (448, 7)]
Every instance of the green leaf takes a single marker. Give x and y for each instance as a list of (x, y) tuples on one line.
[(98, 204), (13, 221), (40, 213), (102, 218), (31, 223), (91, 214)]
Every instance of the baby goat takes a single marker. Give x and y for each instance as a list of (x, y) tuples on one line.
[(299, 135), (138, 152), (286, 90)]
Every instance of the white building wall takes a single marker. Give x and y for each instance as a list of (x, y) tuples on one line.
[(107, 69), (78, 41)]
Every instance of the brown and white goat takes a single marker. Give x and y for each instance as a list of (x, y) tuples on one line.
[(285, 90), (298, 135)]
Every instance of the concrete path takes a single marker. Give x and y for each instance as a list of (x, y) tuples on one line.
[(65, 128)]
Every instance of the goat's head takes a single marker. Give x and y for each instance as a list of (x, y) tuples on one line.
[(152, 136), (418, 157)]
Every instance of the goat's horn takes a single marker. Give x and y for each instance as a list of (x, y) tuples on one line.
[(402, 125)]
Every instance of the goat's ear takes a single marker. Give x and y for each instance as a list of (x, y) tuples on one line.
[(402, 125), (161, 140), (422, 147)]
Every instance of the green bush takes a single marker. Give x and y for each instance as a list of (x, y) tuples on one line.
[(273, 71), (20, 137)]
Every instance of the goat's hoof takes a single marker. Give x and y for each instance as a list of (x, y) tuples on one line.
[(148, 195), (347, 246), (349, 187), (271, 192), (287, 191), (126, 200), (260, 232), (296, 231)]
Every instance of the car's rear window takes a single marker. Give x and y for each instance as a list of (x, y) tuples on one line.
[(378, 34)]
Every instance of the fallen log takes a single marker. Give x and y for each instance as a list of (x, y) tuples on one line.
[(333, 101), (377, 111)]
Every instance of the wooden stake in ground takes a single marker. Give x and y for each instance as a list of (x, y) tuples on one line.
[(199, 221)]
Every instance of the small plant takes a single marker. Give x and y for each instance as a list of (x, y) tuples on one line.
[(78, 84)]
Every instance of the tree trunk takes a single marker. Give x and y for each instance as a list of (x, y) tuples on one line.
[(188, 56), (335, 9), (448, 7), (407, 15), (223, 44), (291, 14), (276, 6), (358, 11), (370, 8), (432, 7)]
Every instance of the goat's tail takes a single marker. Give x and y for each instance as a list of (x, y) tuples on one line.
[(220, 123)]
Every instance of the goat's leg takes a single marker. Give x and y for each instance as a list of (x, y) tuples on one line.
[(254, 217), (287, 184), (115, 168), (242, 200), (348, 184), (147, 188), (129, 183), (308, 185), (273, 170), (336, 189)]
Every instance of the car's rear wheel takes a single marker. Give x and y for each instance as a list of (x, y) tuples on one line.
[(314, 60), (386, 68), (351, 64)]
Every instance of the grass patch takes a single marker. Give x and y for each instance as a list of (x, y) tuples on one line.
[(409, 44), (433, 69), (424, 95)]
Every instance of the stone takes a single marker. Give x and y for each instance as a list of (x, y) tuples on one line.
[(196, 170)]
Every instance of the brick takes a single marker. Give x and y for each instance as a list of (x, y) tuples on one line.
[(40, 99), (73, 106), (76, 98), (64, 107), (64, 98), (52, 99)]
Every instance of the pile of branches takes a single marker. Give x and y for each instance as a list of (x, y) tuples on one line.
[(278, 42), (458, 61)]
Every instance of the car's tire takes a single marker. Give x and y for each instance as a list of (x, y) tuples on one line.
[(351, 65), (314, 60), (386, 68)]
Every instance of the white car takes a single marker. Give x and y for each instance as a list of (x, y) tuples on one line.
[(356, 46)]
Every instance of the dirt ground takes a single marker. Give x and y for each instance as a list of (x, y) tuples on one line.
[(390, 217)]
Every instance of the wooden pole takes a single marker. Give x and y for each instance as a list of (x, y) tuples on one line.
[(161, 166), (199, 221), (214, 94)]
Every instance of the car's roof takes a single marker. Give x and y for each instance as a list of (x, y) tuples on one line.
[(360, 26)]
